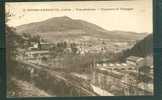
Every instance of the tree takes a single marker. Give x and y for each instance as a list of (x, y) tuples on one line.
[(73, 48), (12, 40)]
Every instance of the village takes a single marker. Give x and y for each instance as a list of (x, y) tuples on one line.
[(101, 76)]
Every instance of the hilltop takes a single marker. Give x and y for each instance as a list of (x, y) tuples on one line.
[(65, 27)]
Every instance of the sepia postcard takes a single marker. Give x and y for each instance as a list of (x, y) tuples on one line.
[(79, 48)]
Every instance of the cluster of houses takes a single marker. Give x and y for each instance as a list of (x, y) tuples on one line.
[(38, 53), (123, 78)]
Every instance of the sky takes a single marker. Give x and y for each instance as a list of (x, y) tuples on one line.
[(132, 15)]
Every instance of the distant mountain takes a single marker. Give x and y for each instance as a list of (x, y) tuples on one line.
[(65, 27)]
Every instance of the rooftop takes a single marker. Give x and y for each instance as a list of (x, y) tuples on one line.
[(133, 58)]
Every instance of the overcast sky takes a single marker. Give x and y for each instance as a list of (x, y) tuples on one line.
[(137, 17)]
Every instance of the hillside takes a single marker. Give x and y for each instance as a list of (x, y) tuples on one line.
[(143, 48), (65, 27)]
